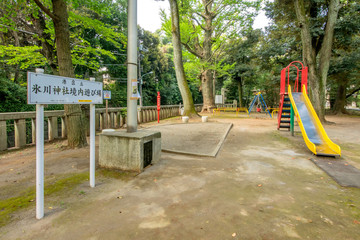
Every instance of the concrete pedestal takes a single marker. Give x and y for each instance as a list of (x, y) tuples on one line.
[(129, 151), (185, 119)]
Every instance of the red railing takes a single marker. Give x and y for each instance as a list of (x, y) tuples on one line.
[(283, 86)]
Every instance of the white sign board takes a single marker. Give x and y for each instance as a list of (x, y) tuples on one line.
[(50, 89), (219, 99)]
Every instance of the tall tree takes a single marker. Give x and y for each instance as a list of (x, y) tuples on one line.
[(189, 108), (242, 51), (344, 71), (75, 119), (317, 47), (205, 26)]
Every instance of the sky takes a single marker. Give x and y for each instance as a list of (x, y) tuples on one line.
[(149, 15)]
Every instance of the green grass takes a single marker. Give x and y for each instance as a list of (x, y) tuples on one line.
[(54, 186), (117, 174), (277, 136), (27, 197)]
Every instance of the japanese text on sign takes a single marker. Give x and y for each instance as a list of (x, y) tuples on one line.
[(50, 89)]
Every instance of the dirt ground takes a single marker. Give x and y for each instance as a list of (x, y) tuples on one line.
[(261, 185)]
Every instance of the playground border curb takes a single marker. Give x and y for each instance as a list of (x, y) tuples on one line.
[(213, 154)]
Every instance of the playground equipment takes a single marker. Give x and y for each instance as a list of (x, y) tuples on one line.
[(260, 102), (227, 109), (298, 103)]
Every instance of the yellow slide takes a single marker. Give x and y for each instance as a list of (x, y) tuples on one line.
[(312, 130)]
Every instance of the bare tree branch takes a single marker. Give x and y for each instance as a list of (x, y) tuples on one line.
[(45, 9), (196, 53), (352, 92), (198, 23), (204, 17)]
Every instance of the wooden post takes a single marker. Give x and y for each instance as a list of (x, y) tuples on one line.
[(101, 121), (3, 136), (33, 131), (106, 115), (20, 132), (52, 128), (63, 127), (97, 121), (116, 121)]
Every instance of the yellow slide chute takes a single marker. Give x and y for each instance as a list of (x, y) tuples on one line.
[(312, 130)]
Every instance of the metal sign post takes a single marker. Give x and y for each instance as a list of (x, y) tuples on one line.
[(49, 89), (92, 142), (158, 106), (39, 161)]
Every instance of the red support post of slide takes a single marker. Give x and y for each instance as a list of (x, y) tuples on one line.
[(304, 78), (282, 81)]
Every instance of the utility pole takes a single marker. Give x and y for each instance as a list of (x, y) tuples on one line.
[(132, 66)]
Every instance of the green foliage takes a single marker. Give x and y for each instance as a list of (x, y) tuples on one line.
[(13, 97), (24, 57), (118, 94), (123, 112), (157, 57), (205, 27), (345, 62)]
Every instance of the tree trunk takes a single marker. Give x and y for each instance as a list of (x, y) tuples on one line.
[(75, 119), (206, 75), (189, 108), (17, 44), (47, 50), (340, 100), (325, 51), (207, 91), (317, 71), (240, 90)]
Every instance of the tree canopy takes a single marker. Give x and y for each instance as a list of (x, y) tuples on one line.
[(220, 49)]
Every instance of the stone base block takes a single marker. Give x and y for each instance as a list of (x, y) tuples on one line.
[(129, 151), (185, 119)]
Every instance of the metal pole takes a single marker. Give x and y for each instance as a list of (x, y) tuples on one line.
[(291, 120), (92, 142), (39, 161), (39, 157), (132, 65)]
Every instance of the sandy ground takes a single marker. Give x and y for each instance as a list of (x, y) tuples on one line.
[(180, 138), (261, 185)]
